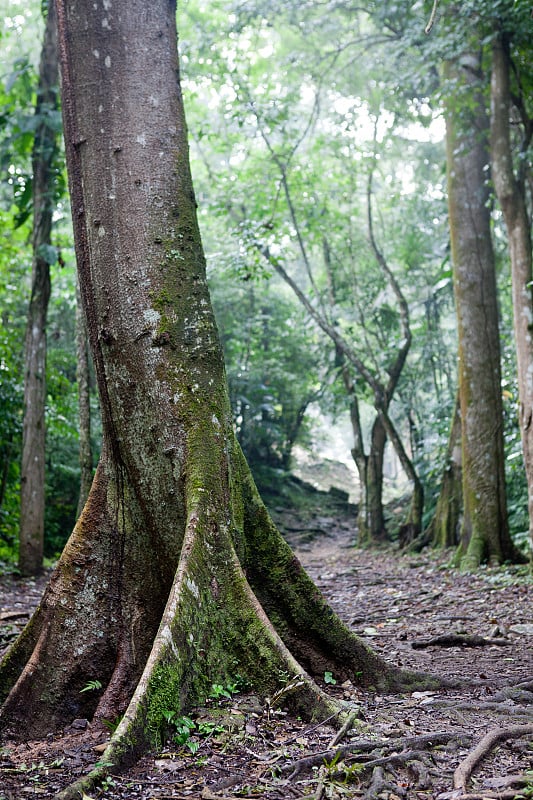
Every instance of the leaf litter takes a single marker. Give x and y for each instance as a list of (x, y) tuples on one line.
[(469, 741)]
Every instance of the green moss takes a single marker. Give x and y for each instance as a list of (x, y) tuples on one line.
[(163, 696)]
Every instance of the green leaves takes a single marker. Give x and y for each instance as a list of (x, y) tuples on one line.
[(92, 686)]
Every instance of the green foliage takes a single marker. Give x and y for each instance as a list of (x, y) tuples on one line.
[(14, 262), (188, 733), (273, 366), (62, 465), (92, 686), (298, 141), (220, 691)]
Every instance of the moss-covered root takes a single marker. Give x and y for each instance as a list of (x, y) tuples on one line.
[(309, 628), (212, 624), (211, 611)]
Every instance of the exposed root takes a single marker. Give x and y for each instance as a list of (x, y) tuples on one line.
[(380, 784), (498, 708), (224, 617), (408, 745), (483, 749), (458, 640)]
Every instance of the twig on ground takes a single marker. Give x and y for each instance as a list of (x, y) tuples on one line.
[(463, 772)]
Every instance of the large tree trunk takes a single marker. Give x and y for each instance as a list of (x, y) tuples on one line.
[(485, 532), (510, 190), (32, 480), (174, 577)]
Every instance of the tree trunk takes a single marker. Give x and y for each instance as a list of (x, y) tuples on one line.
[(511, 194), (84, 406), (485, 533), (370, 518), (174, 577), (32, 482), (375, 518), (444, 528)]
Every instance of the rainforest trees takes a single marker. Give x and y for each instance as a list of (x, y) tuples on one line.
[(174, 575)]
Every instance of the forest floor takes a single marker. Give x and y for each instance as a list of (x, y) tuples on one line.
[(417, 612)]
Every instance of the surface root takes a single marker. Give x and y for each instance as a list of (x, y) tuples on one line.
[(487, 744), (459, 640)]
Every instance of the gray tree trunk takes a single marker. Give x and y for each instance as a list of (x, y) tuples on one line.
[(485, 532), (511, 193), (445, 527), (32, 491)]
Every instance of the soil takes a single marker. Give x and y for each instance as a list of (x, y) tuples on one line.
[(397, 746)]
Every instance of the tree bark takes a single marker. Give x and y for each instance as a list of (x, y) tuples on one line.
[(511, 194), (32, 492), (485, 532), (174, 577)]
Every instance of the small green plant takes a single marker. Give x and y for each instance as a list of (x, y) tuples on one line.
[(208, 728), (186, 728), (112, 724), (91, 686), (328, 678), (183, 728), (220, 691), (527, 791)]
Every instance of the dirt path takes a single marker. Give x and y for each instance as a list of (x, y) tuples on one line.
[(406, 746)]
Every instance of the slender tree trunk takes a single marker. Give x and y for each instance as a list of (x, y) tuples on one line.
[(5, 454), (32, 493), (375, 518), (444, 528), (84, 406), (485, 532), (292, 434), (174, 577), (510, 190), (370, 517)]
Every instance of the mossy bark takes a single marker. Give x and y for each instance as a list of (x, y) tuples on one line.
[(174, 577)]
